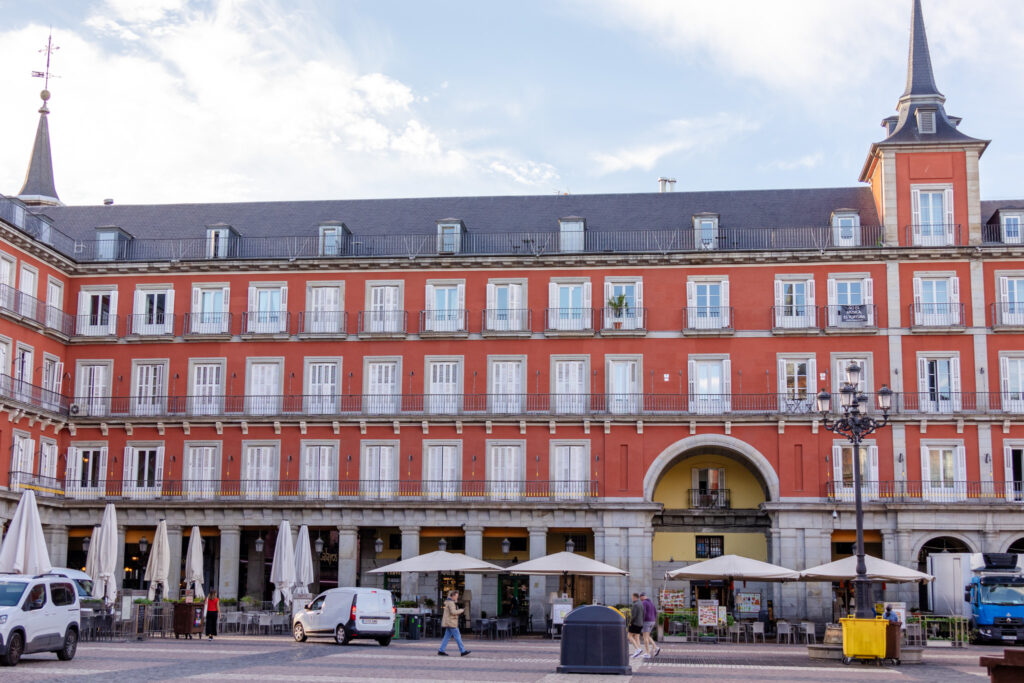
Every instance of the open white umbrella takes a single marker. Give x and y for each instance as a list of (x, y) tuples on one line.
[(733, 567), (282, 571), (878, 570), (23, 550), (564, 562), (194, 564), (104, 583), (440, 561), (90, 556), (158, 568), (303, 560)]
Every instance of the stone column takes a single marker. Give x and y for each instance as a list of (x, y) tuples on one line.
[(639, 575), (475, 582), (889, 554), (174, 551), (230, 545), (410, 548), (119, 567), (348, 555), (538, 584), (57, 544), (600, 582), (907, 592)]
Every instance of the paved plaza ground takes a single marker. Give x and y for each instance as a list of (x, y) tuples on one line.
[(255, 659)]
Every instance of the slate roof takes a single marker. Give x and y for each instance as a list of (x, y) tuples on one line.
[(497, 214), (39, 179), (989, 208)]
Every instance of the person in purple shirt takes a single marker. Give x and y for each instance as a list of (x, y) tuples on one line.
[(650, 619)]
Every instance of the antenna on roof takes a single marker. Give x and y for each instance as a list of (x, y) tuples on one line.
[(45, 75)]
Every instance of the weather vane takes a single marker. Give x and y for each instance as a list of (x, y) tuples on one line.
[(45, 75)]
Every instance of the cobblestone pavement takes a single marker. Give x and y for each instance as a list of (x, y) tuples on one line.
[(258, 659)]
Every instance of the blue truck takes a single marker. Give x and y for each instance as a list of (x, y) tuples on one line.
[(985, 588)]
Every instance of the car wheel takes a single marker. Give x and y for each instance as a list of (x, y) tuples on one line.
[(385, 641), (341, 636), (15, 646), (67, 653), (299, 633)]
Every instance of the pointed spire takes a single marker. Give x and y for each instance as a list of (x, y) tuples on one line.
[(920, 79), (39, 188)]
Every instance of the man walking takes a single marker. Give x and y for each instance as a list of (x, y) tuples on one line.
[(650, 620), (636, 624), (450, 624)]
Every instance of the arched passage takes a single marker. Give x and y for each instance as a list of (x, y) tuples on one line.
[(937, 544), (716, 443)]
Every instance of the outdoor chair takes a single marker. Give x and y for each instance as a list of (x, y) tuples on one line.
[(280, 623), (757, 629), (478, 628), (914, 635), (736, 631), (784, 630), (809, 632), (502, 629), (265, 622)]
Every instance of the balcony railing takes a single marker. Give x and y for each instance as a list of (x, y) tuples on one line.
[(709, 499), (301, 489), (265, 322), (850, 316), (932, 235), (444, 322), (96, 325), (382, 323), (207, 324), (935, 491), (18, 391), (630, 319), (936, 315), (323, 322), (17, 303), (511, 321), (795, 317), (710, 318), (151, 325), (571, 320), (1007, 314)]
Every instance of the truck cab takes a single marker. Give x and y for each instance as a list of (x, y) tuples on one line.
[(995, 595)]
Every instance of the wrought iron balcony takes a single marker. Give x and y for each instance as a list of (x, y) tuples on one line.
[(709, 499), (24, 393), (23, 307), (850, 316), (950, 315), (96, 325), (933, 235), (207, 324), (1007, 315), (629, 320), (325, 323), (507, 321), (568, 321), (934, 491), (269, 323), (794, 318), (444, 323), (382, 323), (151, 325), (710, 319)]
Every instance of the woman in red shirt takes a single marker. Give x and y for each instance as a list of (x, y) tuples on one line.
[(212, 607)]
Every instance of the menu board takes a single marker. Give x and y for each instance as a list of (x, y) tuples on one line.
[(707, 612), (671, 600), (559, 612), (748, 603)]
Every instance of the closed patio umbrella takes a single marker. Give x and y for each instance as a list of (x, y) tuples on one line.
[(733, 568), (303, 560), (90, 557), (158, 568), (878, 570), (23, 550), (282, 571), (194, 571), (104, 583)]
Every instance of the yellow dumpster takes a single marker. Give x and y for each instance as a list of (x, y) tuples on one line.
[(863, 638)]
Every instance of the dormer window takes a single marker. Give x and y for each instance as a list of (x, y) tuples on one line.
[(220, 240), (705, 231), (332, 238), (1010, 224), (926, 121), (570, 234), (449, 236), (845, 228), (110, 243)]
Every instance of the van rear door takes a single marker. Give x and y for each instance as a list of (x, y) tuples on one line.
[(373, 609)]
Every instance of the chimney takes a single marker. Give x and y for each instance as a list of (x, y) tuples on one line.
[(666, 184), (108, 201)]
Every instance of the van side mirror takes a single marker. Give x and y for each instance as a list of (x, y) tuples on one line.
[(967, 595), (308, 605)]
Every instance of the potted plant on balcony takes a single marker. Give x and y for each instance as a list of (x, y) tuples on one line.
[(618, 306)]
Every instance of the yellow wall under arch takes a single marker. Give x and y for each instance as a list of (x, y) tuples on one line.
[(673, 489)]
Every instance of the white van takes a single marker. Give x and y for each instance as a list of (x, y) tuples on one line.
[(347, 614), (37, 614)]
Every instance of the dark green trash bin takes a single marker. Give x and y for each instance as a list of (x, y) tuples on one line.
[(594, 642)]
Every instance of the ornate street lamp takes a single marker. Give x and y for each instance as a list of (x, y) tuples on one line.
[(854, 425)]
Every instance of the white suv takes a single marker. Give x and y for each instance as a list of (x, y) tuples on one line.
[(37, 614)]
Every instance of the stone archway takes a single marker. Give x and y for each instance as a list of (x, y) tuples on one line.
[(750, 455)]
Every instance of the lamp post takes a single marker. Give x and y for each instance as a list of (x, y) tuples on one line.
[(855, 425)]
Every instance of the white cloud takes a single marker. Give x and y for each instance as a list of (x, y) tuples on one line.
[(806, 161)]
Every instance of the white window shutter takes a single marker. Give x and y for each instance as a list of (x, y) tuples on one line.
[(872, 463), (922, 380), (252, 300), (812, 378), (587, 295), (918, 312), (58, 372), (832, 299), (950, 220), (169, 312), (460, 294), (226, 304), (810, 293), (961, 467), (837, 464), (727, 378), (429, 294), (607, 293), (103, 467), (781, 375), (926, 477), (639, 293), (954, 383), (1004, 379), (83, 304), (691, 295), (196, 293), (71, 468), (954, 299), (552, 295), (129, 465), (515, 297), (139, 306), (492, 296), (869, 299), (724, 297), (284, 298), (691, 377), (915, 220), (1008, 472), (160, 467), (112, 322), (778, 303)]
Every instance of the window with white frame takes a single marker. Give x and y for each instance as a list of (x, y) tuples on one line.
[(319, 469), (378, 472), (28, 284), (444, 385), (86, 473), (708, 488), (143, 470), (938, 380), (22, 457), (840, 366), (1010, 226), (200, 470), (55, 304), (332, 240), (570, 471), (570, 385), (846, 229), (442, 466), (623, 375), (92, 389), (1011, 376), (210, 309), (7, 291), (505, 385), (936, 300), (569, 306), (794, 303), (206, 393), (797, 383), (5, 356), (23, 367), (219, 242), (260, 469), (506, 469), (445, 307), (268, 306), (384, 310), (149, 387), (506, 307), (705, 229), (1013, 471), (154, 311), (932, 222), (97, 312), (623, 304), (707, 304), (382, 393), (571, 235), (323, 390), (710, 384), (1010, 307), (843, 480), (325, 313), (449, 238), (263, 386), (943, 471), (48, 460), (850, 301), (108, 243)]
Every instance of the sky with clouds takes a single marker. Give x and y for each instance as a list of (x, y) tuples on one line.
[(240, 100)]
